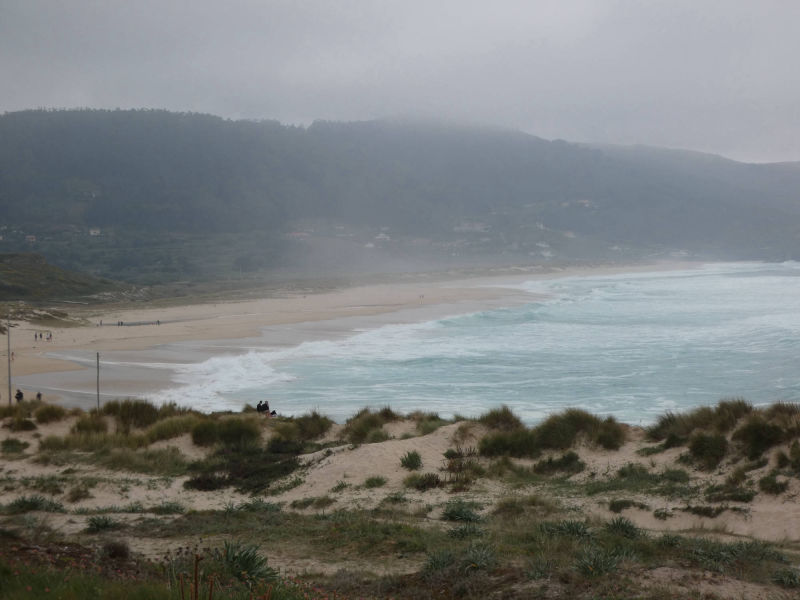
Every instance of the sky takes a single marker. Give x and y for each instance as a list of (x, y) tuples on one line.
[(716, 76)]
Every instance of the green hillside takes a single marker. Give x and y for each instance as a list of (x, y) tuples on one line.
[(151, 196), (29, 277)]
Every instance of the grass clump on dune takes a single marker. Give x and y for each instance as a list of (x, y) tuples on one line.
[(501, 418), (49, 413), (558, 432), (367, 426), (675, 429)]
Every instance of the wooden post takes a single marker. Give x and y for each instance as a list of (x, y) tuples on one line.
[(98, 382), (8, 336)]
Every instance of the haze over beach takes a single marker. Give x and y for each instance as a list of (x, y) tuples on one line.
[(519, 283)]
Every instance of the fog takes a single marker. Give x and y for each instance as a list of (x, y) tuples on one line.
[(715, 76)]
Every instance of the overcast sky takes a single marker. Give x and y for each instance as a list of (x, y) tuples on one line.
[(713, 75)]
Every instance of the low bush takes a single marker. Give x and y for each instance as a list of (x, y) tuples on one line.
[(411, 460), (623, 527), (596, 562), (518, 443), (131, 413), (13, 446), (22, 424), (49, 413), (374, 482), (770, 485), (423, 482), (238, 433), (313, 425), (708, 449), (678, 428), (32, 503), (460, 510), (501, 418), (729, 493), (569, 462), (100, 523), (171, 427), (757, 435), (91, 423), (366, 426), (205, 433)]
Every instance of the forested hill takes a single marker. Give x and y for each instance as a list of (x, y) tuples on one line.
[(151, 195)]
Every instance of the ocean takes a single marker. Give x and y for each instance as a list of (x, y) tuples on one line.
[(629, 345)]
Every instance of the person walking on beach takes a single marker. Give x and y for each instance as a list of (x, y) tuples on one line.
[(19, 395)]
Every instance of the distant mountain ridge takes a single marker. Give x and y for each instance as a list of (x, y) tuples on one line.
[(177, 195)]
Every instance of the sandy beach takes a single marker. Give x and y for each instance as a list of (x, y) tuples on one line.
[(63, 368)]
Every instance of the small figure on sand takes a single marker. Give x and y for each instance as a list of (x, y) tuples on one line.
[(38, 396), (19, 395), (263, 407)]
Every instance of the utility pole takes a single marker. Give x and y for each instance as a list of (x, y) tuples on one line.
[(98, 382), (8, 337)]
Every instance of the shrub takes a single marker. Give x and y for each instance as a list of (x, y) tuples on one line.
[(365, 423), (312, 425), (501, 418), (729, 493), (594, 562), (132, 413), (518, 443), (423, 482), (624, 528), (49, 413), (610, 434), (568, 463), (374, 482), (102, 523), (709, 450), (788, 578), (771, 485), (411, 460), (115, 550), (238, 432), (91, 423), (13, 446), (244, 562), (460, 510), (281, 445), (171, 427), (566, 528), (757, 436), (31, 503), (205, 433), (22, 424), (558, 432), (427, 423)]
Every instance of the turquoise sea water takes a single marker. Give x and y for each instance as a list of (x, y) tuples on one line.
[(630, 345)]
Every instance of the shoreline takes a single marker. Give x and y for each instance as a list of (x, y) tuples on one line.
[(141, 358)]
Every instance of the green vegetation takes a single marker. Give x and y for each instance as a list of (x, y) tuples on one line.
[(708, 450), (557, 432), (501, 418), (13, 446), (179, 196), (49, 413), (375, 481), (411, 460), (367, 426)]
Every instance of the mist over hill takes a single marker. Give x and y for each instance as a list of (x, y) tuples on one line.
[(151, 196)]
